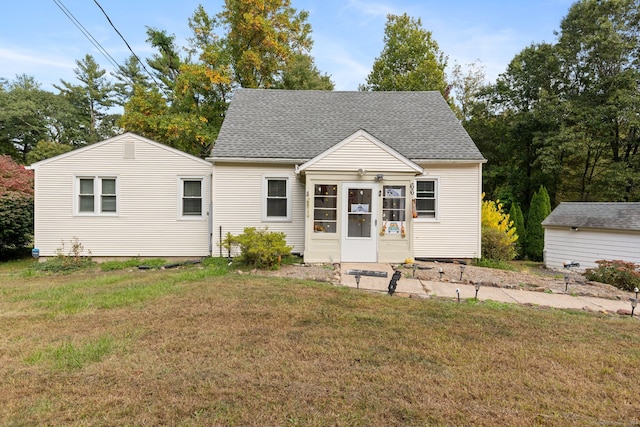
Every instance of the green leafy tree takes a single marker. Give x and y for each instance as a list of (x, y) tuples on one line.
[(539, 209), (262, 37), (127, 78), (300, 73), (16, 204), (47, 149), (411, 59)]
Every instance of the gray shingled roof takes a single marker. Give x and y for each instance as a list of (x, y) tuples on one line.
[(300, 124), (611, 216)]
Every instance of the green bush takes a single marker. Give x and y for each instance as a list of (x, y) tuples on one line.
[(496, 245), (539, 209), (16, 220), (259, 248), (67, 262), (621, 274)]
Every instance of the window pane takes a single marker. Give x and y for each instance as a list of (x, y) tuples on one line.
[(192, 206), (277, 207), (277, 188), (86, 204), (326, 202), (326, 190), (108, 203), (108, 186), (324, 214), (359, 225), (86, 186), (324, 226), (192, 188)]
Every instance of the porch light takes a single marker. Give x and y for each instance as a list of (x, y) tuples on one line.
[(634, 304), (379, 177), (477, 284), (362, 172)]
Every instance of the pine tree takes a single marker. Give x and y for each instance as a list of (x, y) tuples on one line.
[(515, 213), (539, 209)]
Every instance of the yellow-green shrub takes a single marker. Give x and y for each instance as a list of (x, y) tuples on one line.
[(498, 234)]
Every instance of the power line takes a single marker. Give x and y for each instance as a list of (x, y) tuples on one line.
[(131, 50), (87, 34)]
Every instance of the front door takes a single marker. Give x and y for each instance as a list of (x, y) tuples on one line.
[(360, 221)]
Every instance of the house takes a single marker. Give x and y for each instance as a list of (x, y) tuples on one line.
[(347, 176), (585, 232), (126, 196)]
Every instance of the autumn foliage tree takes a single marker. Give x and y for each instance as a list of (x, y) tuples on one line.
[(16, 204), (498, 233)]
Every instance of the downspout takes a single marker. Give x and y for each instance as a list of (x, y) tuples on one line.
[(210, 219)]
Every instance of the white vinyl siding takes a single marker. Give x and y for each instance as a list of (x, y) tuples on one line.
[(145, 224), (456, 233), (586, 246), (239, 191)]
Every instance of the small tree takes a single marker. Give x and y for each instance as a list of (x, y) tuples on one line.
[(16, 204), (515, 213), (498, 233), (539, 209)]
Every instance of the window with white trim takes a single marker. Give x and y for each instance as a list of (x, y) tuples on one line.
[(97, 195), (276, 202), (427, 198), (191, 200), (325, 208)]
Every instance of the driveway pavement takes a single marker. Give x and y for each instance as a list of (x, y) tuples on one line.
[(426, 289)]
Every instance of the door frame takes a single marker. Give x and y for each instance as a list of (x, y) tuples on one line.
[(359, 249)]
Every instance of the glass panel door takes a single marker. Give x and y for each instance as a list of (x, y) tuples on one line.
[(359, 212)]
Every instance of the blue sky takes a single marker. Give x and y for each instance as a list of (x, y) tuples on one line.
[(37, 38)]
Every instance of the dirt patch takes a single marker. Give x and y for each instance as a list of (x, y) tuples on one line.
[(534, 279)]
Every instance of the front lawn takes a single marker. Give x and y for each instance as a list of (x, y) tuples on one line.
[(198, 345)]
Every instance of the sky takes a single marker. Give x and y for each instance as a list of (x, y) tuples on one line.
[(38, 39)]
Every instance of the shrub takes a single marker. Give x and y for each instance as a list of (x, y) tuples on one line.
[(539, 209), (515, 213), (16, 220), (498, 234), (259, 248), (67, 262), (621, 274)]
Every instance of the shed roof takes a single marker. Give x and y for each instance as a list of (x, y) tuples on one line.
[(296, 124), (610, 216)]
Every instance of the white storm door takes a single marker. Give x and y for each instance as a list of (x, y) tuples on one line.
[(359, 222)]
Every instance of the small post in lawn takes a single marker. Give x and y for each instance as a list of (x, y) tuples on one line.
[(636, 291), (634, 304), (357, 280), (461, 271), (441, 272), (477, 284), (566, 282), (458, 292)]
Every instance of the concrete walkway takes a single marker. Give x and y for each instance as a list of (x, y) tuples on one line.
[(425, 289)]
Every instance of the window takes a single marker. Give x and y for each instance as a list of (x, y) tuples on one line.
[(426, 198), (394, 203), (102, 188), (277, 199), (191, 197), (325, 208)]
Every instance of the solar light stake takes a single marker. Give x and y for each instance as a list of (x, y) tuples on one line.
[(636, 291), (477, 288), (461, 271), (458, 292), (566, 283), (634, 304), (358, 281), (440, 272)]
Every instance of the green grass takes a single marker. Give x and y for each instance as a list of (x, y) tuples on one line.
[(199, 345)]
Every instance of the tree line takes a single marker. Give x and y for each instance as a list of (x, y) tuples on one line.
[(562, 116)]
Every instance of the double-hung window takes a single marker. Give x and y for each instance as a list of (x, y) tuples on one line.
[(427, 198), (191, 200), (277, 206), (97, 195)]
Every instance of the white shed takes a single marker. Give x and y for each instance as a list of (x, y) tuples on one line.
[(586, 232)]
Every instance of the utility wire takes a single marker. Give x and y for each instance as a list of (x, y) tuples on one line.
[(87, 34), (131, 50)]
